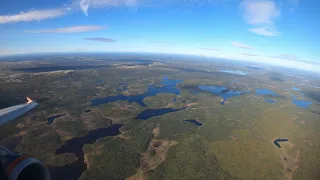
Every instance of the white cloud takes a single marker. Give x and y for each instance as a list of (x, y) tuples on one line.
[(72, 29), (132, 5), (287, 56), (163, 42), (101, 39), (209, 49), (258, 12), (261, 14), (32, 15), (265, 31), (240, 45), (85, 4), (248, 54)]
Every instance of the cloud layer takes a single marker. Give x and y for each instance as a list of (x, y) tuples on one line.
[(240, 45), (85, 4), (132, 5), (163, 42), (72, 29), (209, 49), (261, 14), (32, 15), (247, 54), (265, 31), (101, 39)]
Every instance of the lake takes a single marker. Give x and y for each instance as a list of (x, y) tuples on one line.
[(149, 113), (265, 92), (52, 118), (100, 82), (270, 101), (276, 142), (194, 121), (169, 87), (295, 88), (301, 103), (224, 92), (75, 145)]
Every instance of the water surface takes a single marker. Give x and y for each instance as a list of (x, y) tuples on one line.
[(265, 92), (149, 113), (270, 101), (295, 88), (75, 145), (276, 142), (52, 118), (194, 121), (100, 82), (169, 87), (222, 91), (301, 103)]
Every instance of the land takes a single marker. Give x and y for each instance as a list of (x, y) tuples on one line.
[(235, 141)]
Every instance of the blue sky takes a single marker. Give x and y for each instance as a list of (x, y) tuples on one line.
[(282, 32)]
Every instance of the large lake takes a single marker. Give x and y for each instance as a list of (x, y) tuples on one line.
[(169, 87), (223, 91), (75, 145)]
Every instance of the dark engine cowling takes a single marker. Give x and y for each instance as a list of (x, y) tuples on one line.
[(15, 166)]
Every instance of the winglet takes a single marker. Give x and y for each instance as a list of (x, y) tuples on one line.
[(29, 100)]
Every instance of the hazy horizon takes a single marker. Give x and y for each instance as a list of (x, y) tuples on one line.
[(274, 32)]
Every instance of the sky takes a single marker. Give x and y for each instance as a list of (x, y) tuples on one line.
[(279, 32)]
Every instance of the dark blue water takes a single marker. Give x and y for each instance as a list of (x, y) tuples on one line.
[(270, 101), (149, 113), (100, 82), (213, 89), (75, 145), (174, 99), (265, 92), (169, 87), (276, 142), (52, 118), (195, 122), (234, 72), (301, 103), (295, 88), (224, 92)]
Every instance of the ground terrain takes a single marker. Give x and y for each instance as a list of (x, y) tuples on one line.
[(235, 140)]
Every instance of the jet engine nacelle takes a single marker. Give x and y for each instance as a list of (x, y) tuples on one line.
[(15, 166)]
